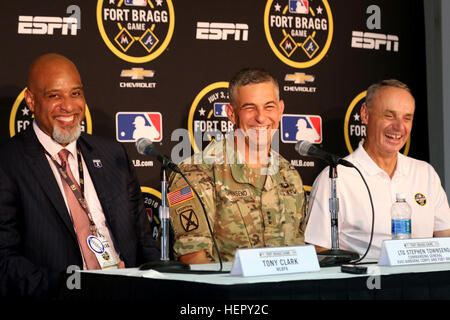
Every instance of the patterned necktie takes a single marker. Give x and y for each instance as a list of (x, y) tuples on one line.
[(79, 216)]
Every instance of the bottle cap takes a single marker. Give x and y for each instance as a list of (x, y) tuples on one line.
[(400, 196)]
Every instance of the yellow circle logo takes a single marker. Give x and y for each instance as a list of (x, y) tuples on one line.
[(299, 32), (207, 118), (152, 201), (136, 31), (355, 130), (21, 117)]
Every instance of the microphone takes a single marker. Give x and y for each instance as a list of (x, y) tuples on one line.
[(145, 146), (306, 148)]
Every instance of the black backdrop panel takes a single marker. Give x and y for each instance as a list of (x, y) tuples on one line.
[(168, 62)]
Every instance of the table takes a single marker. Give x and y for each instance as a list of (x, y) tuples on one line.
[(380, 283)]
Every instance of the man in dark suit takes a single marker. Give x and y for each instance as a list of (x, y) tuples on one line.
[(39, 237)]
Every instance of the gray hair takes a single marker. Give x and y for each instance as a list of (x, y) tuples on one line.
[(250, 76), (374, 88)]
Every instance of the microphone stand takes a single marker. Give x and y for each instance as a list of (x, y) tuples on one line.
[(335, 256), (165, 264)]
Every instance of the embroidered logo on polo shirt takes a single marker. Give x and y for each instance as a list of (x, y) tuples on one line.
[(420, 199)]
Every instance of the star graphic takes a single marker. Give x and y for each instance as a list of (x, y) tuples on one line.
[(202, 111), (319, 10), (356, 117), (277, 7), (159, 2), (25, 111), (111, 2)]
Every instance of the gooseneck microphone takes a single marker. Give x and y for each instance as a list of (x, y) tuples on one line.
[(306, 148), (335, 256), (145, 146)]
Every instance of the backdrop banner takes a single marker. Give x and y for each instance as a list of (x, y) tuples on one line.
[(160, 69)]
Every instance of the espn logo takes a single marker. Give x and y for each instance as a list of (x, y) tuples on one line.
[(221, 31), (369, 40), (47, 25)]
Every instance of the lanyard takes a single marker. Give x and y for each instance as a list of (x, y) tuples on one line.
[(79, 194)]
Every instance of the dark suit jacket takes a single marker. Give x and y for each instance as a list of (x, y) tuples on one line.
[(37, 238)]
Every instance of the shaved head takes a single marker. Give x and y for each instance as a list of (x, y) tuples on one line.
[(55, 95), (47, 63)]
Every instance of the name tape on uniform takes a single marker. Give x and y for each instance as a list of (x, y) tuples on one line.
[(270, 261), (415, 251)]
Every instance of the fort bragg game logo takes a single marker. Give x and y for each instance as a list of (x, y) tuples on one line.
[(21, 117), (152, 202), (136, 31), (355, 130), (207, 117), (299, 32)]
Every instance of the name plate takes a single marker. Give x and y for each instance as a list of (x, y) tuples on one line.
[(279, 260), (415, 251)]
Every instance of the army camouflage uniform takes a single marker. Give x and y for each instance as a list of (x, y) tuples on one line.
[(244, 210)]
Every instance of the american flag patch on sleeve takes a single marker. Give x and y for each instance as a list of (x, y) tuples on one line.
[(180, 195)]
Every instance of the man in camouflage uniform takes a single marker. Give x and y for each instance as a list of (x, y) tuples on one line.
[(252, 195)]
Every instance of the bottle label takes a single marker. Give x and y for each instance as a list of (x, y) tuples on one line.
[(401, 226)]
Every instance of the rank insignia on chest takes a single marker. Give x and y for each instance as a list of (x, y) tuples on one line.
[(288, 189)]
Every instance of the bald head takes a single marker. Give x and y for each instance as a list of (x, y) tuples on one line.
[(55, 95), (48, 63)]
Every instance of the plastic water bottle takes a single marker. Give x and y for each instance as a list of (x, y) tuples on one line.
[(401, 218)]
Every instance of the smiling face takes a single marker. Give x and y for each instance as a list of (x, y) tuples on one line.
[(389, 119), (55, 95), (257, 111)]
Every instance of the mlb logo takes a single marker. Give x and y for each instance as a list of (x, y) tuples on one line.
[(136, 3), (130, 126), (299, 6), (220, 110), (295, 127)]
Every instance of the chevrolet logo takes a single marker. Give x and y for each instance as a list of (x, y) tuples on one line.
[(137, 73), (299, 77)]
